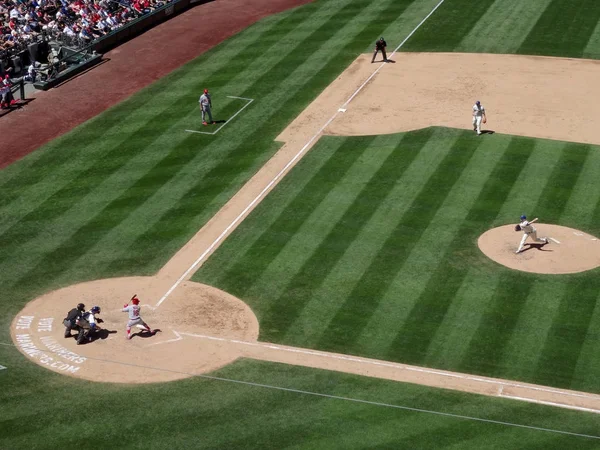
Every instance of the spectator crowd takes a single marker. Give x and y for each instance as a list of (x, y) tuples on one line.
[(72, 22)]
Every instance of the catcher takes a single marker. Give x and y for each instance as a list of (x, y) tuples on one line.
[(528, 231), (134, 316), (478, 116)]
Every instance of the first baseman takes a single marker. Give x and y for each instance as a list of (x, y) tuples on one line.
[(134, 316), (205, 106), (478, 116), (528, 231)]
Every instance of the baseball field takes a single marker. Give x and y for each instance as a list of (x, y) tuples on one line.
[(319, 261)]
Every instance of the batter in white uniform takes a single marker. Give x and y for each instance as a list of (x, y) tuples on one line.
[(529, 231), (134, 316), (478, 116)]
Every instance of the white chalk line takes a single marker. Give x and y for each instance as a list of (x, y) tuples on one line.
[(556, 241), (282, 172), (337, 397), (400, 366), (249, 100), (547, 403)]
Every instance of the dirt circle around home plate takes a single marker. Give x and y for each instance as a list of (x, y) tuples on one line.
[(196, 324), (568, 251)]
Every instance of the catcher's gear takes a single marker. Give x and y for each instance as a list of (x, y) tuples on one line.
[(517, 227), (95, 310)]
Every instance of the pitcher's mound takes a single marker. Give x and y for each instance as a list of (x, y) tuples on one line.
[(568, 250)]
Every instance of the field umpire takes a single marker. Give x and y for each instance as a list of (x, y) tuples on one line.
[(380, 46)]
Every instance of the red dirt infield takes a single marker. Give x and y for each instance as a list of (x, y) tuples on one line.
[(165, 47)]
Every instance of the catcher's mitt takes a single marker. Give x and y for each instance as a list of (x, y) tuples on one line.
[(517, 227)]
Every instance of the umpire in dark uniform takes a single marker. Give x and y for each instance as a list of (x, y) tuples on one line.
[(380, 46), (70, 321)]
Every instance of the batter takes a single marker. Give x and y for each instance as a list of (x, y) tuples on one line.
[(134, 316)]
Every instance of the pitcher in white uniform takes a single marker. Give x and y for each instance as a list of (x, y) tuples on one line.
[(478, 116), (529, 231), (134, 316)]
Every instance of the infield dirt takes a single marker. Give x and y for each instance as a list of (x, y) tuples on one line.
[(418, 91)]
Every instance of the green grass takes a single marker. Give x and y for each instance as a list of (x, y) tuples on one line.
[(367, 246), (337, 263), (212, 414)]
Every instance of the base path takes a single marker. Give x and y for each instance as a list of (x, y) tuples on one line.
[(204, 328), (164, 48)]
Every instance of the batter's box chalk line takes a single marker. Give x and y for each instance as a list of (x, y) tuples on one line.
[(248, 101)]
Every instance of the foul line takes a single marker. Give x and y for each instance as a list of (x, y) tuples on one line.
[(373, 362), (249, 100), (262, 193), (348, 399)]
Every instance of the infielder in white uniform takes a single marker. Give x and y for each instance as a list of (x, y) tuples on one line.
[(478, 116), (134, 316), (528, 231), (205, 106)]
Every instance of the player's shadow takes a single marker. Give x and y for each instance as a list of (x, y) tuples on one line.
[(219, 121), (539, 247), (101, 334), (146, 334), (487, 131), (390, 61)]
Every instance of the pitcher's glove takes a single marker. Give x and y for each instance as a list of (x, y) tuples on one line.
[(517, 227)]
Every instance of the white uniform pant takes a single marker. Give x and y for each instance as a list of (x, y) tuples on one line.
[(137, 321), (477, 123), (533, 235), (206, 111)]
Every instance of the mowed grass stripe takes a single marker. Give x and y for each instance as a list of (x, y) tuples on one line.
[(312, 274), (82, 146), (486, 348), (525, 346), (354, 314), (241, 157), (585, 197), (232, 165), (459, 326), (560, 184), (254, 262), (342, 279), (567, 335), (587, 371), (408, 286), (115, 154), (415, 336), (564, 29), (503, 27), (447, 27), (235, 249), (500, 321)]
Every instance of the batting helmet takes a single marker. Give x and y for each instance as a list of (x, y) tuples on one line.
[(523, 217), (95, 310), (135, 300), (81, 307)]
